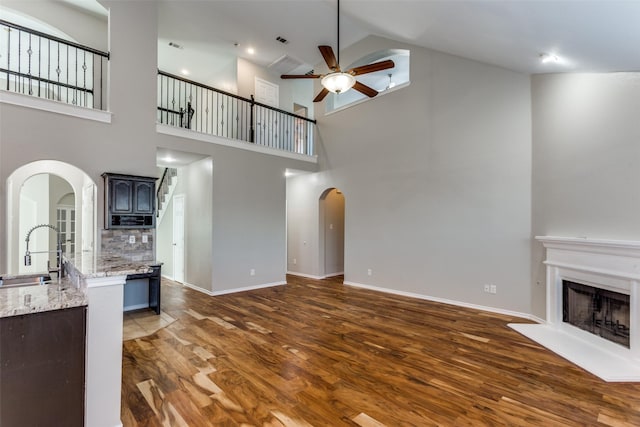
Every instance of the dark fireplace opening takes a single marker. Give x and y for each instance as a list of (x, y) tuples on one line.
[(599, 311)]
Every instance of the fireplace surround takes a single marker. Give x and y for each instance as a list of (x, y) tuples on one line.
[(602, 275)]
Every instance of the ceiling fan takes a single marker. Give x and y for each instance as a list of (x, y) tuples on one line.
[(338, 81)]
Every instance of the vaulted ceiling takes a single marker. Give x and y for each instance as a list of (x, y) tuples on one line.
[(588, 35)]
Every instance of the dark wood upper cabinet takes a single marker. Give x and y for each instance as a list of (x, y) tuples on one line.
[(129, 201), (145, 192), (121, 196)]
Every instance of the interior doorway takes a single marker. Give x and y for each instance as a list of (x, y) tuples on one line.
[(332, 223), (38, 193)]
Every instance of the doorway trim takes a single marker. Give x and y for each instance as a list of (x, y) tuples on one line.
[(323, 228), (77, 178), (177, 238)]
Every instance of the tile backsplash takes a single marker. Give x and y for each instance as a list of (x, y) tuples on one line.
[(129, 243)]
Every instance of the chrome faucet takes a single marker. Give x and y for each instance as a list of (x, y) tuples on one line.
[(27, 256)]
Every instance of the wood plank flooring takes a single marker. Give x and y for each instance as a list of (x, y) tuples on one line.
[(317, 353)]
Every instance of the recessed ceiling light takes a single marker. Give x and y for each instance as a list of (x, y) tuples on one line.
[(168, 159), (549, 58), (251, 50), (184, 72)]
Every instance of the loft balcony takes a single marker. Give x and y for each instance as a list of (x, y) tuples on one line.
[(47, 67), (191, 105)]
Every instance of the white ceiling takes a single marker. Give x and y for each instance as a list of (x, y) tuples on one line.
[(590, 35)]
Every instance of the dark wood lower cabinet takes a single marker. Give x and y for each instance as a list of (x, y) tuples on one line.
[(42, 369)]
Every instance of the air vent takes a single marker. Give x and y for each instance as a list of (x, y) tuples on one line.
[(308, 73), (285, 64), (176, 45), (282, 40)]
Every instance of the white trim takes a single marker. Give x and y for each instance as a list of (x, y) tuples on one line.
[(248, 288), (365, 99), (234, 143), (54, 106), (134, 307), (326, 276), (311, 276), (308, 276), (600, 271), (97, 282), (195, 288), (447, 301)]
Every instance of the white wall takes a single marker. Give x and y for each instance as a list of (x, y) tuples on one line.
[(437, 179), (248, 71), (125, 145), (84, 28), (34, 210), (586, 161), (196, 184)]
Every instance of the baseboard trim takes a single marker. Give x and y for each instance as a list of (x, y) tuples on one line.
[(326, 276), (197, 288), (134, 307), (308, 276), (248, 288), (311, 276), (447, 301)]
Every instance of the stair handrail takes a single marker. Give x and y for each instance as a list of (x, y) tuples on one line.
[(160, 186), (241, 98)]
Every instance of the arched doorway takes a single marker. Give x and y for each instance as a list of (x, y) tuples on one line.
[(49, 192), (332, 230)]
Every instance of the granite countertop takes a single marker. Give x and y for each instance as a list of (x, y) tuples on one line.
[(71, 290), (19, 300), (107, 264)]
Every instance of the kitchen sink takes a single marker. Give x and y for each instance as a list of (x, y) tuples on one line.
[(8, 281)]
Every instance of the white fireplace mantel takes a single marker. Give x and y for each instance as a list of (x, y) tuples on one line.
[(606, 264)]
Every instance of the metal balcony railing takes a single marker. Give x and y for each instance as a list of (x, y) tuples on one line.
[(46, 66), (192, 105)]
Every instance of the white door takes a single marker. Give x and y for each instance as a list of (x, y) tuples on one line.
[(178, 238), (66, 222), (267, 92)]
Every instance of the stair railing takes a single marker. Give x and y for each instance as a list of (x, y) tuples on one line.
[(202, 108), (45, 66)]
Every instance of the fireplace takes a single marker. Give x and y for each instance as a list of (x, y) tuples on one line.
[(598, 311), (592, 302)]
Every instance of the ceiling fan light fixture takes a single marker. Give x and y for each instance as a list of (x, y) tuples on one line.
[(338, 82)]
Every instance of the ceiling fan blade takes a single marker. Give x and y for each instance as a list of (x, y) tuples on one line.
[(372, 68), (329, 57), (300, 76), (324, 92), (369, 91)]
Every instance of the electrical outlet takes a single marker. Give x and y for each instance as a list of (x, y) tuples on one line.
[(487, 288), (295, 261), (493, 289), (369, 272), (145, 238), (252, 272), (132, 239)]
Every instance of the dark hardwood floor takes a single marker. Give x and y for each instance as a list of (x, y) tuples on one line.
[(322, 354)]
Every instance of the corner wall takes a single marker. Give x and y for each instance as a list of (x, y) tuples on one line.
[(586, 161), (437, 179)]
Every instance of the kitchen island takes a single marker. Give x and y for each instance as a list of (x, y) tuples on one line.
[(94, 286)]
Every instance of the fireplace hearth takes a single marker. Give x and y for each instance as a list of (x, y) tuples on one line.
[(593, 305), (598, 311)]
